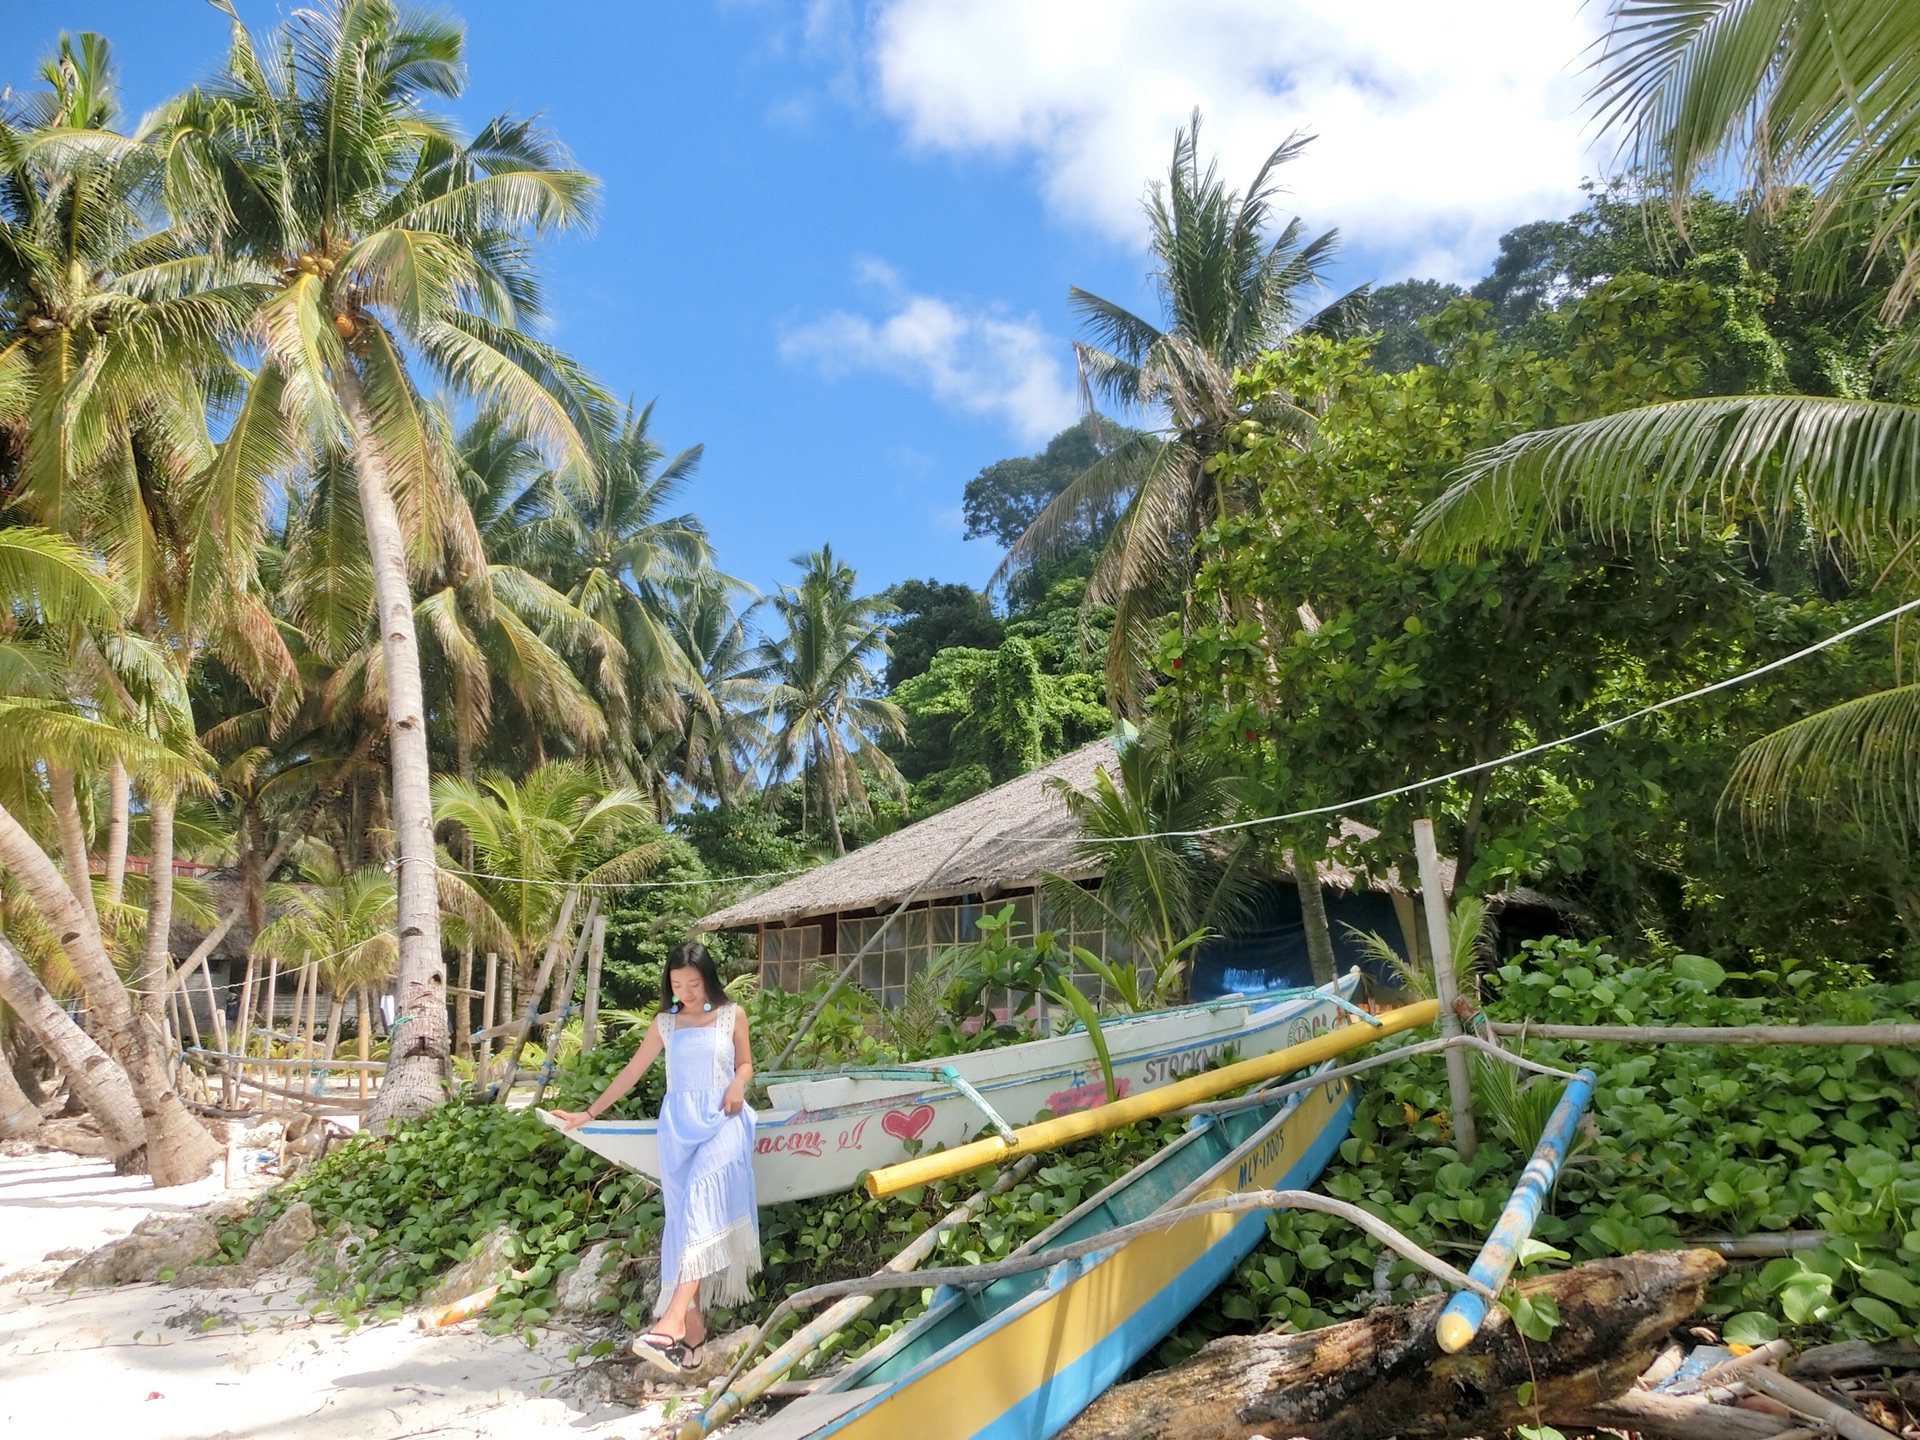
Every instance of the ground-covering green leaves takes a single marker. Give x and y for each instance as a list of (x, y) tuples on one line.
[(1682, 1140)]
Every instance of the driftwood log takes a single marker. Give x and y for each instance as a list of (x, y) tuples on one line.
[(1384, 1375)]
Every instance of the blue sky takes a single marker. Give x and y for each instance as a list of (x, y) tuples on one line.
[(835, 238)]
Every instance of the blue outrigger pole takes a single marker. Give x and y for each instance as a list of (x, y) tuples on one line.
[(1461, 1319)]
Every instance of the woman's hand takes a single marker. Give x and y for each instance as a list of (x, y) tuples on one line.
[(570, 1119), (736, 1096)]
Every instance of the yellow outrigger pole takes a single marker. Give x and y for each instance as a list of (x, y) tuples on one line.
[(1051, 1134)]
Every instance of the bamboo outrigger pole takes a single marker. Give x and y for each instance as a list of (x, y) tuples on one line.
[(1050, 1134), (1461, 1320)]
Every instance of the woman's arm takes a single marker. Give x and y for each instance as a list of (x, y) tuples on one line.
[(622, 1081), (736, 1095)]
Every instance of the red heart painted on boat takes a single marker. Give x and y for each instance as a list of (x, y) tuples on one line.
[(907, 1124)]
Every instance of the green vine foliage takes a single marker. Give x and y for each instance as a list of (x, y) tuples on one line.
[(1681, 1141)]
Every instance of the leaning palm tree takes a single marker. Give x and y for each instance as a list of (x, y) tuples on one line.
[(383, 243), (1788, 87), (1230, 289), (823, 700)]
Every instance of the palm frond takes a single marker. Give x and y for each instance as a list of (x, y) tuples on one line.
[(1851, 467)]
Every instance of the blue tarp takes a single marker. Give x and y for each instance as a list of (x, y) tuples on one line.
[(1271, 950)]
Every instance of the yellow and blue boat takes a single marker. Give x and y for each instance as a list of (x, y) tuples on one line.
[(1018, 1358)]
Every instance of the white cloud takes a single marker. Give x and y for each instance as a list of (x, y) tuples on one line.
[(982, 361), (1441, 123)]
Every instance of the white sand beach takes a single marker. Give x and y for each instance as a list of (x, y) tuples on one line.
[(160, 1362)]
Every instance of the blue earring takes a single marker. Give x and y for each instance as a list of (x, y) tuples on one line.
[(707, 1006), (675, 1007)]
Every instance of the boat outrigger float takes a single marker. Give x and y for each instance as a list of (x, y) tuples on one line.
[(1019, 1356)]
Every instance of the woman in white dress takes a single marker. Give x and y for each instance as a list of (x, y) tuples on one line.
[(710, 1244)]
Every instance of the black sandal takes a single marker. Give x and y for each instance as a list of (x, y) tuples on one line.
[(686, 1356)]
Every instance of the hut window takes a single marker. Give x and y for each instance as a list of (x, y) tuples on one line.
[(787, 955)]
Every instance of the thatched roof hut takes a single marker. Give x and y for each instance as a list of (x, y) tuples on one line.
[(973, 858)]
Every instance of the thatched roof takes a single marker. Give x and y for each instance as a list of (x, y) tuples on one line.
[(981, 846)]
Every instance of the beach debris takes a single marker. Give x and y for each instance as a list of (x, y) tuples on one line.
[(1384, 1374)]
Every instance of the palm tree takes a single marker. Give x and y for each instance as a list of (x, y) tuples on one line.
[(119, 334), (1162, 895), (823, 698), (621, 549), (532, 839), (1230, 290), (1815, 91), (722, 734), (1781, 87), (341, 923), (109, 327), (382, 242)]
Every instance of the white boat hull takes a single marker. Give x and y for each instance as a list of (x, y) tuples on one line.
[(820, 1135)]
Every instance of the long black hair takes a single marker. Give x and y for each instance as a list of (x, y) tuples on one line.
[(690, 953)]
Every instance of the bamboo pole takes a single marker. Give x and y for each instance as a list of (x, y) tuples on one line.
[(283, 1062), (554, 941), (1050, 1134), (556, 1018), (217, 1015), (1894, 1034), (463, 1007), (193, 1024), (484, 1057), (245, 1020), (363, 1028), (590, 1003), (273, 984), (1799, 1398), (304, 1003), (1461, 1319), (1434, 897)]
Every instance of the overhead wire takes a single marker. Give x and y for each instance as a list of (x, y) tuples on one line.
[(1540, 749)]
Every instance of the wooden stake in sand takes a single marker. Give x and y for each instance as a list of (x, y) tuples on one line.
[(590, 1006), (1434, 897)]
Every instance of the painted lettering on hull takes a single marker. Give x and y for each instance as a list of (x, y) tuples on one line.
[(788, 1142)]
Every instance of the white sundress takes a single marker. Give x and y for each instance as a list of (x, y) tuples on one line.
[(712, 1231)]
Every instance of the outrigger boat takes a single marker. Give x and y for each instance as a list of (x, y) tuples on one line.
[(1017, 1358), (823, 1130)]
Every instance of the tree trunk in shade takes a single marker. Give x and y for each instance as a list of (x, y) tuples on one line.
[(1313, 914), (19, 1116), (96, 1081), (179, 1149)]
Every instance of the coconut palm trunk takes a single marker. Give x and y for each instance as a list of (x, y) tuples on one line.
[(154, 964), (179, 1149), (116, 832), (101, 1085), (19, 1117), (417, 1053), (1313, 913), (73, 839)]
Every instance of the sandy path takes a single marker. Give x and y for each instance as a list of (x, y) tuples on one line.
[(151, 1362)]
